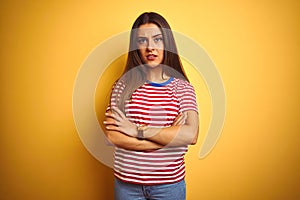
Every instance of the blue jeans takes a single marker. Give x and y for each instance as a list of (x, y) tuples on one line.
[(127, 191)]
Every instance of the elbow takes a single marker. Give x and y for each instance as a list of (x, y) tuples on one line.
[(110, 139), (193, 137), (185, 139), (194, 141), (187, 135)]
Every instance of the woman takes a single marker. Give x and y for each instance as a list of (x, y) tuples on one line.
[(152, 116)]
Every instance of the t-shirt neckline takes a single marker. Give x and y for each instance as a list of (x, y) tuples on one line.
[(160, 84)]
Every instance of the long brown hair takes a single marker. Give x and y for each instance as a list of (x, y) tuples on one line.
[(134, 74)]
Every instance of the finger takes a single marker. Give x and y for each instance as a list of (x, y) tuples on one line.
[(180, 122), (109, 114), (110, 121), (119, 112), (184, 116), (175, 124), (108, 109), (113, 116), (112, 128), (183, 119), (179, 115), (177, 119)]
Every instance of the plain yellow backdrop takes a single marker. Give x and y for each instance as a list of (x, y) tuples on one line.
[(254, 44)]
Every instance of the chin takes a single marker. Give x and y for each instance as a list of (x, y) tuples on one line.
[(152, 65)]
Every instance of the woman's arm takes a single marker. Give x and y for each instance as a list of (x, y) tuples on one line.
[(177, 135), (130, 143), (127, 142), (185, 134)]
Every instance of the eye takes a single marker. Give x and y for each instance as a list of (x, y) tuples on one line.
[(142, 41), (158, 39)]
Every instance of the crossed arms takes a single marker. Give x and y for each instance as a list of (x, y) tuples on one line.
[(123, 133)]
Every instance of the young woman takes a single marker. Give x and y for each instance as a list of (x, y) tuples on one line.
[(152, 116)]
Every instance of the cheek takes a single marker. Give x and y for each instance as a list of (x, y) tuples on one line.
[(161, 53), (142, 52)]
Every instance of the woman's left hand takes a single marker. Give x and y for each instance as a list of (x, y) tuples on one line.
[(117, 121)]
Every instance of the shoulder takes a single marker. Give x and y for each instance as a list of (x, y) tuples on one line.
[(183, 84), (119, 85), (186, 96)]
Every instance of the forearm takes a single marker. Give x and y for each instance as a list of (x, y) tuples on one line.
[(173, 135), (184, 134), (177, 135), (130, 143)]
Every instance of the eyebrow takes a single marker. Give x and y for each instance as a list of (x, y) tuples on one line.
[(152, 36), (157, 35)]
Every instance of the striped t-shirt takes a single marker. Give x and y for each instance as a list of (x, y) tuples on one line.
[(154, 105)]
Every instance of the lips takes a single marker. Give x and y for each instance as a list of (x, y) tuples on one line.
[(151, 57)]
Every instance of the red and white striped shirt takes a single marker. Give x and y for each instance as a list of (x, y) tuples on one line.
[(154, 105)]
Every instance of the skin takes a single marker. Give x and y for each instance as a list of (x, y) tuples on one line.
[(119, 138), (122, 133), (184, 133), (150, 42)]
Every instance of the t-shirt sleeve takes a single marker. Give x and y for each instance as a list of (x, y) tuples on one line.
[(187, 97), (116, 93)]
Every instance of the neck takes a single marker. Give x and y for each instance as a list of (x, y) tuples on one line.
[(156, 75)]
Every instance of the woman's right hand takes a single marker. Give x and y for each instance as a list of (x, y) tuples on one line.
[(180, 119), (116, 121)]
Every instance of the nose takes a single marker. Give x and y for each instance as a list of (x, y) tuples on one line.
[(150, 45)]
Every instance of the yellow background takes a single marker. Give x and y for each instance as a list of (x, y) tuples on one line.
[(254, 44)]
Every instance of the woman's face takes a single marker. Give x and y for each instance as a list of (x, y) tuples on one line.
[(150, 44)]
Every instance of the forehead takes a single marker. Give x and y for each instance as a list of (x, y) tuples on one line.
[(148, 30)]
